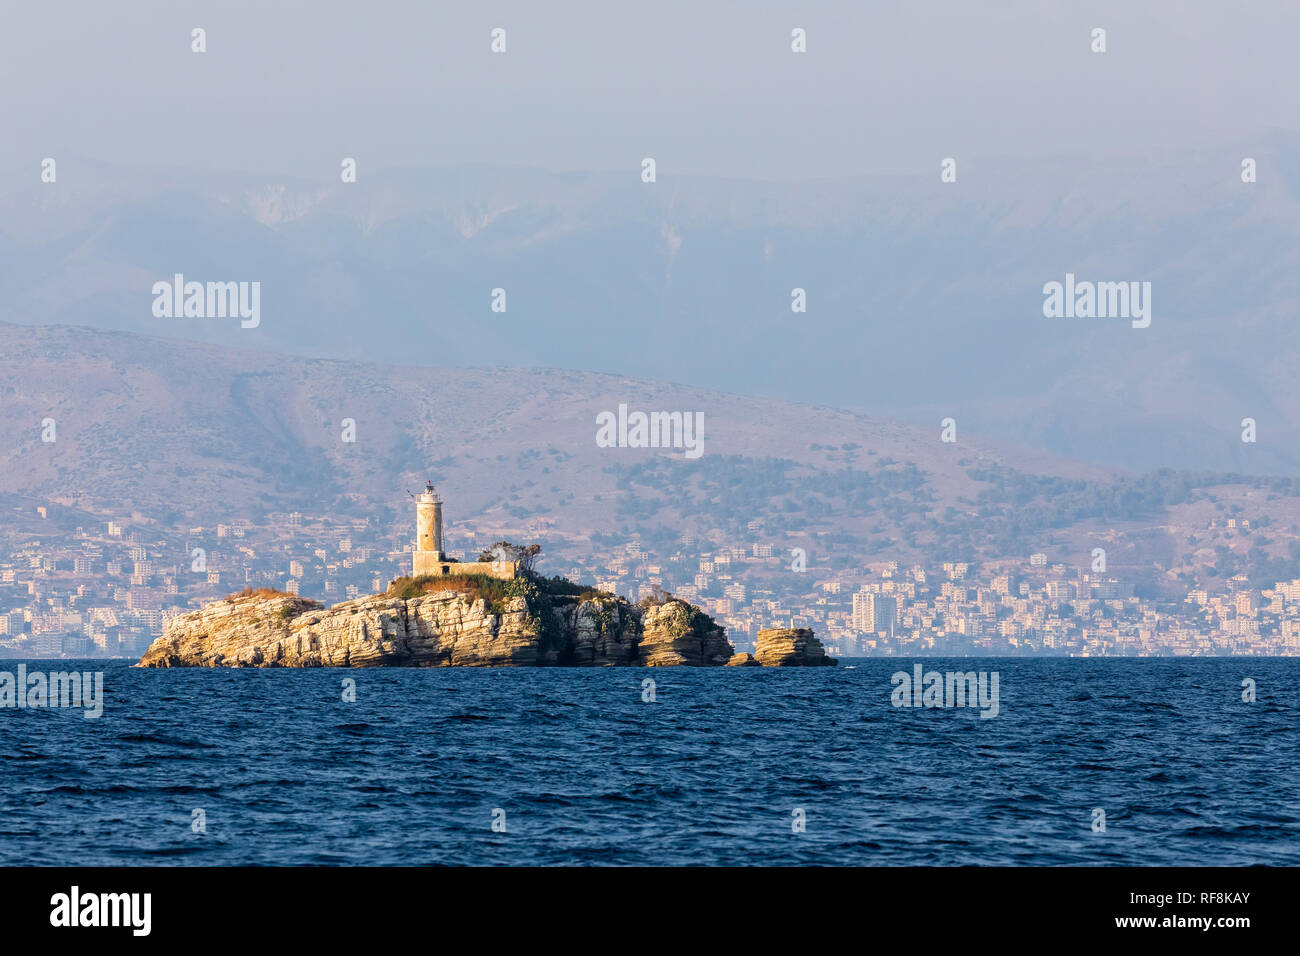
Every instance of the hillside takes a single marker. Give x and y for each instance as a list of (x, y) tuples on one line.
[(174, 434), (924, 299)]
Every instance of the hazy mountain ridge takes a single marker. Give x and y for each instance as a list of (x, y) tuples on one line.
[(924, 299), (226, 429)]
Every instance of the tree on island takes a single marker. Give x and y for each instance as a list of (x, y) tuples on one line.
[(505, 551), (656, 596)]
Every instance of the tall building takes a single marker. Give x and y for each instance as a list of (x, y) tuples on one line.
[(874, 613)]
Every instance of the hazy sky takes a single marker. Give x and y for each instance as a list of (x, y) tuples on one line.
[(704, 86)]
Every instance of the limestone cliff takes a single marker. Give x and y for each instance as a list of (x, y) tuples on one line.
[(789, 647), (678, 633), (525, 626)]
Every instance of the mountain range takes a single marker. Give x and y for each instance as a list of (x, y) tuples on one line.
[(924, 298)]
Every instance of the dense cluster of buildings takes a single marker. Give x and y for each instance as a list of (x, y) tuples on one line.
[(1031, 607), (109, 590)]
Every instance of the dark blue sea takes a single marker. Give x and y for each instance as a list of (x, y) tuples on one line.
[(714, 771)]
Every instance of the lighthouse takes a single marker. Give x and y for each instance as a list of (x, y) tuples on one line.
[(428, 532), (429, 559)]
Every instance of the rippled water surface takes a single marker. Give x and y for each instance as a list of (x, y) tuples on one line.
[(709, 773)]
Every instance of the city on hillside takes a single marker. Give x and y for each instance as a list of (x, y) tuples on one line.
[(109, 590)]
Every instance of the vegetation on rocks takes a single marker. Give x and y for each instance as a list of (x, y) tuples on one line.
[(496, 592), (263, 593)]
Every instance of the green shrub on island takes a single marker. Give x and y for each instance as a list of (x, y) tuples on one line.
[(495, 591), (562, 587), (259, 593), (296, 602)]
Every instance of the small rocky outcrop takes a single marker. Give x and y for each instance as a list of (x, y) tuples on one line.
[(445, 628), (743, 660), (790, 647), (675, 632)]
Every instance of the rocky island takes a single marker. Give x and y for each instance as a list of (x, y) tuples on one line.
[(465, 621), (495, 612)]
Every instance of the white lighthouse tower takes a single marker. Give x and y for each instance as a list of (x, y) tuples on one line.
[(428, 533), (429, 558)]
